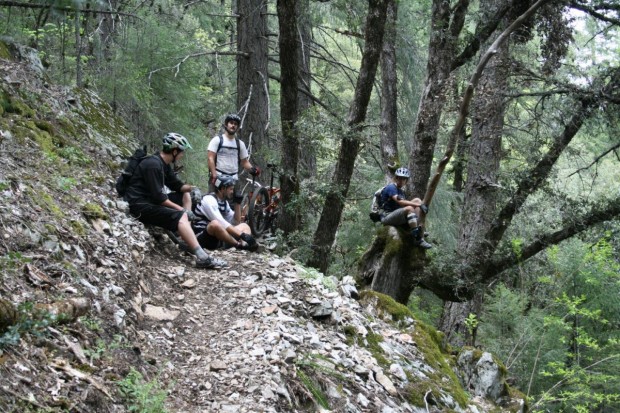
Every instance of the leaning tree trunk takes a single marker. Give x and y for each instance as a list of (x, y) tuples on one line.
[(252, 80), (380, 265)]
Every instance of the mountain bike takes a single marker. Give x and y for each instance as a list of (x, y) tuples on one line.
[(260, 206)]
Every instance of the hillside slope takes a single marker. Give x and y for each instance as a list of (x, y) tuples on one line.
[(99, 314)]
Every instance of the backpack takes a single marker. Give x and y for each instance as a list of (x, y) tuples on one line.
[(222, 144), (122, 182), (376, 206)]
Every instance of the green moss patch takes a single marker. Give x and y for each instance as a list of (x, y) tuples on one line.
[(429, 341), (94, 211), (386, 303), (4, 51)]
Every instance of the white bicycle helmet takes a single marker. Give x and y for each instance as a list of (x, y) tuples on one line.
[(402, 173), (175, 141)]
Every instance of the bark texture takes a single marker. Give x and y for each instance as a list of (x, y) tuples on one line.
[(289, 68), (252, 80), (389, 96)]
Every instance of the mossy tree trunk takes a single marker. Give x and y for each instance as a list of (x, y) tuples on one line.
[(394, 266)]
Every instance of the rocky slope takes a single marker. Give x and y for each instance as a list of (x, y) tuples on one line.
[(99, 314)]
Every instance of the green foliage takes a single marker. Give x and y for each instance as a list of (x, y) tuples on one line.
[(29, 321), (141, 395), (309, 273), (471, 322), (66, 183), (314, 388), (556, 337), (94, 211)]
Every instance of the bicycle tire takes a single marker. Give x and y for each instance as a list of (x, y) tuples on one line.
[(258, 219), (245, 207)]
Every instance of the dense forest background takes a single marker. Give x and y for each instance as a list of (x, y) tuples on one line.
[(505, 111)]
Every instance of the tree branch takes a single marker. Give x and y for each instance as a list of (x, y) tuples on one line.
[(311, 96), (592, 12), (49, 6), (541, 171), (597, 159), (596, 215), (482, 34), (469, 93), (177, 67)]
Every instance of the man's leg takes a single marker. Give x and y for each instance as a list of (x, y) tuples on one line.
[(404, 216), (181, 199), (249, 243), (218, 231)]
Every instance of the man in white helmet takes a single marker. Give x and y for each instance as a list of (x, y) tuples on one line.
[(399, 211), (217, 225), (151, 204)]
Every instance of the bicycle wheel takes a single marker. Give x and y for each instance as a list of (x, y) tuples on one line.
[(245, 206), (257, 213)]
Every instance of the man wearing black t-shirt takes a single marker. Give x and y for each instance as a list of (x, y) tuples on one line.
[(151, 204)]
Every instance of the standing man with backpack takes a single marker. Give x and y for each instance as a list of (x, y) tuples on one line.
[(226, 153), (399, 211), (149, 202)]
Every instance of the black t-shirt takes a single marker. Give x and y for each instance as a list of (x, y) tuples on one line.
[(147, 185)]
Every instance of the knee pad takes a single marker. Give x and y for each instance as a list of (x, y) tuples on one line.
[(412, 220)]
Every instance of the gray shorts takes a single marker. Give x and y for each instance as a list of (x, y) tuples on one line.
[(395, 218)]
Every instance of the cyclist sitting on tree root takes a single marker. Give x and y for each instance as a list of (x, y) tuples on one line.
[(217, 225), (398, 211)]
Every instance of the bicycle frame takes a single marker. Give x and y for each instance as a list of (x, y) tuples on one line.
[(262, 206)]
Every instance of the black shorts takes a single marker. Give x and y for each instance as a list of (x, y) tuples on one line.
[(159, 215), (208, 241)]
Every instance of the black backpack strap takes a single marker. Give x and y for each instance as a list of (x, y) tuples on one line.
[(219, 147)]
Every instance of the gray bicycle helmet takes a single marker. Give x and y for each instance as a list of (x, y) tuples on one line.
[(224, 182), (232, 117), (402, 173), (175, 141)]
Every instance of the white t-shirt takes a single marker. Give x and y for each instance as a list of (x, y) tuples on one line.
[(227, 161), (215, 210)]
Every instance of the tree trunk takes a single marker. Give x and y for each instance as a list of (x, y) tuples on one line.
[(289, 113), (78, 50), (389, 109), (252, 80), (481, 189), (307, 161), (457, 332), (445, 28), (325, 233), (398, 267)]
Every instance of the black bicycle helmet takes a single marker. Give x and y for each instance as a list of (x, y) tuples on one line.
[(232, 117), (224, 182), (175, 141), (402, 173)]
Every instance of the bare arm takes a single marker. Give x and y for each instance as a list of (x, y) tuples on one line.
[(245, 163), (211, 162)]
